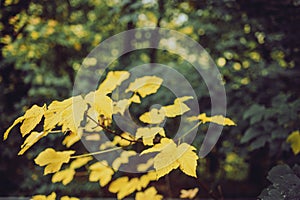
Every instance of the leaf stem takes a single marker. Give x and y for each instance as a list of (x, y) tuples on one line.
[(189, 131), (96, 153)]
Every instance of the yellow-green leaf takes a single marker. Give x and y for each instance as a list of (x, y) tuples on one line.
[(148, 134), (145, 85), (178, 108), (32, 117), (155, 116), (64, 176), (113, 79), (294, 140), (52, 159), (100, 172), (101, 103), (149, 194), (217, 119)]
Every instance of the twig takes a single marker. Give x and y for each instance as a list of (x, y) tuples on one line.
[(111, 131)]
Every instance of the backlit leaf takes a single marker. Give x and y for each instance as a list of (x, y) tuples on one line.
[(113, 79), (145, 85), (148, 134), (72, 138), (123, 159), (150, 194), (68, 198), (155, 116), (52, 196), (64, 176), (178, 108), (294, 140), (52, 159), (218, 119), (32, 117), (79, 162), (145, 166), (18, 120), (100, 172), (31, 140), (101, 103)]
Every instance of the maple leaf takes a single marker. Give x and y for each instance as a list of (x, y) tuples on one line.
[(145, 166), (112, 80), (145, 85), (190, 194), (123, 186), (72, 138), (52, 159), (30, 119), (68, 114), (52, 196), (149, 194), (171, 157), (100, 172), (68, 198), (157, 116), (121, 105), (148, 134), (64, 176), (31, 140), (79, 162), (217, 119), (294, 140), (100, 103), (123, 159)]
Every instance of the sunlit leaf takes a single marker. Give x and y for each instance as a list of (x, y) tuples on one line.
[(72, 138), (218, 119), (68, 198), (100, 172), (64, 176), (178, 108), (101, 103), (188, 194), (79, 162), (148, 134), (123, 159), (294, 140), (145, 166), (31, 140), (150, 194), (145, 85), (52, 159), (155, 116), (52, 196), (171, 157), (17, 121), (113, 79)]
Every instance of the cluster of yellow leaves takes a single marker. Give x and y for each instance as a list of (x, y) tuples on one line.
[(156, 116), (66, 176), (294, 140), (52, 196), (148, 134), (217, 119), (171, 157), (124, 186), (150, 194)]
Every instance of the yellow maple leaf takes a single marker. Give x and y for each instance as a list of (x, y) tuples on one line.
[(294, 140), (148, 134), (171, 157), (123, 159), (145, 180), (30, 119), (217, 119), (178, 108), (112, 80), (100, 172), (121, 105), (155, 116), (149, 194), (31, 140), (52, 159), (79, 162), (145, 166), (68, 114), (190, 194), (68, 198), (123, 186), (52, 196), (145, 85), (101, 103), (65, 176), (123, 142), (117, 184), (72, 138)]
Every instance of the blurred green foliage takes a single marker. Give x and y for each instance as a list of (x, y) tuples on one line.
[(254, 43)]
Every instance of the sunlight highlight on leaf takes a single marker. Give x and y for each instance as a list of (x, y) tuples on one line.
[(217, 119)]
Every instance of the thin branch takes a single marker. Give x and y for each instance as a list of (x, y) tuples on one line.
[(96, 153), (111, 131)]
